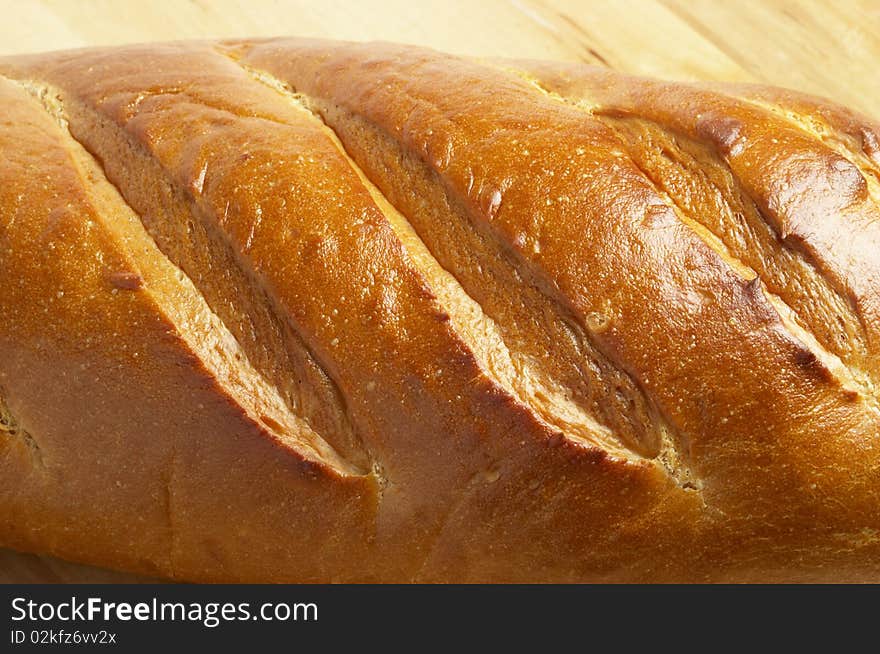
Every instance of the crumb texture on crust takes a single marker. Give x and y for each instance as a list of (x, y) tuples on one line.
[(370, 312)]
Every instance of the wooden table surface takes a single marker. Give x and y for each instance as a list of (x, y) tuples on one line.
[(829, 48)]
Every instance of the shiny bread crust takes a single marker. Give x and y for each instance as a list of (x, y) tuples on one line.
[(291, 310)]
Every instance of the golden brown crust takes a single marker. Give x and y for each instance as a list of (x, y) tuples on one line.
[(101, 440), (506, 321)]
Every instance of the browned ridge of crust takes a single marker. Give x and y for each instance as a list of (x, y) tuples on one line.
[(328, 311)]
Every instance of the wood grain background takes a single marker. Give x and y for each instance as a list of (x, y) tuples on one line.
[(829, 48)]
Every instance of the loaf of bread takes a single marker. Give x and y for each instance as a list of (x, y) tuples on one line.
[(306, 311)]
